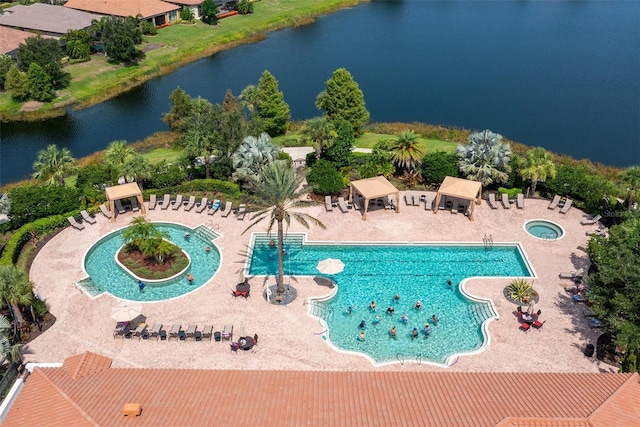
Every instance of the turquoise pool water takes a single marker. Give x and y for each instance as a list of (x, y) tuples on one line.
[(543, 229), (108, 276), (414, 272)]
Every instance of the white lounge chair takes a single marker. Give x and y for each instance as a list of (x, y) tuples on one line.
[(505, 201), (88, 218), (343, 205), (203, 205), (190, 204), (554, 202), (75, 224), (134, 204), (152, 202), (566, 206), (227, 332), (242, 211), (227, 209), (408, 198), (178, 202), (520, 201), (327, 203), (572, 274), (591, 221), (492, 201), (416, 199), (119, 206), (165, 202), (105, 211), (214, 207)]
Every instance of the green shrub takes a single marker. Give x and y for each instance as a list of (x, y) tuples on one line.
[(31, 202), (520, 291), (582, 184), (511, 192), (325, 178), (200, 185), (436, 166), (39, 308), (166, 175)]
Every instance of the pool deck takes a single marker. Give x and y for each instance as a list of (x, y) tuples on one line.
[(288, 338)]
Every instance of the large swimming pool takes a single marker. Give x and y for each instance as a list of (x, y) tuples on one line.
[(377, 272), (107, 276)]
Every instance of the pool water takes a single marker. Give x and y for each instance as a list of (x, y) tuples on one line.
[(414, 272), (108, 276), (543, 229)]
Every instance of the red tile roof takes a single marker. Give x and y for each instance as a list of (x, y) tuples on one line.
[(124, 8), (85, 391), (10, 38)]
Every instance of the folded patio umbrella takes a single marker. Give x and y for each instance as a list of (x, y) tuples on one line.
[(330, 266), (126, 311)]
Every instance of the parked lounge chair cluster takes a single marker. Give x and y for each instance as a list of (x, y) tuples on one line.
[(86, 217), (529, 320), (556, 202), (203, 205), (159, 332), (504, 199)]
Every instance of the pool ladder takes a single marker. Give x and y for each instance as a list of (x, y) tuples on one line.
[(207, 232), (488, 242)]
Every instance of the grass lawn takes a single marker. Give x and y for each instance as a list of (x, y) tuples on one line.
[(160, 154)]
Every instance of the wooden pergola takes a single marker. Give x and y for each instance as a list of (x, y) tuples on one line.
[(461, 189), (372, 188), (123, 191)]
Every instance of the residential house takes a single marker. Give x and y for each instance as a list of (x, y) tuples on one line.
[(46, 19), (156, 11), (11, 39)]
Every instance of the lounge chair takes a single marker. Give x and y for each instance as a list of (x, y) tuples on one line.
[(492, 201), (134, 204), (165, 202), (178, 202), (227, 209), (461, 208), (327, 203), (572, 274), (520, 201), (203, 205), (242, 211), (207, 331), (140, 331), (588, 313), (88, 218), (227, 332), (566, 206), (121, 331), (591, 221), (454, 211), (599, 233), (190, 204), (214, 207), (596, 323), (175, 329), (105, 211), (554, 202), (152, 202), (356, 203), (427, 204), (75, 224), (416, 200), (505, 201), (191, 331), (579, 298), (343, 205), (119, 206), (408, 198), (155, 330)]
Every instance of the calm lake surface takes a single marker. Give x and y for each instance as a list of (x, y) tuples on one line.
[(562, 75)]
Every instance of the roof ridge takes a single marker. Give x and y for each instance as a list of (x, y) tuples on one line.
[(512, 421), (630, 385)]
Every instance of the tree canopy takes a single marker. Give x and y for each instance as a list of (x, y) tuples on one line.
[(47, 54), (343, 99), (272, 108), (485, 158), (120, 36), (208, 12)]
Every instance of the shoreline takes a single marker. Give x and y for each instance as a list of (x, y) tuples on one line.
[(114, 88)]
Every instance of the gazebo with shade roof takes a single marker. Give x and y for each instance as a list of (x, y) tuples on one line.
[(123, 191), (461, 189), (372, 188)]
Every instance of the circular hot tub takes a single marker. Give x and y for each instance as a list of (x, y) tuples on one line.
[(543, 229)]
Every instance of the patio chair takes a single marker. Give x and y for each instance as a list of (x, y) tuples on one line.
[(134, 204), (140, 330), (520, 201), (566, 206), (175, 329), (190, 204), (105, 211), (165, 202), (207, 331), (227, 209), (152, 202), (119, 207), (356, 203), (155, 330), (182, 336), (596, 323), (554, 202), (88, 218), (327, 203), (343, 205), (454, 211), (237, 293), (75, 224), (177, 203), (591, 221), (588, 313), (191, 331), (214, 207), (579, 298), (572, 274), (538, 325), (227, 332), (416, 200), (427, 204), (242, 211), (505, 201), (492, 201), (121, 331), (525, 326), (203, 205), (408, 198)]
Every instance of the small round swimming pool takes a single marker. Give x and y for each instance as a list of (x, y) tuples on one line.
[(543, 229)]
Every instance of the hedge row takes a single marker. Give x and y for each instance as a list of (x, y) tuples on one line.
[(511, 192), (20, 238), (213, 185)]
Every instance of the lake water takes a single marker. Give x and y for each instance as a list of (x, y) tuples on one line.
[(562, 75)]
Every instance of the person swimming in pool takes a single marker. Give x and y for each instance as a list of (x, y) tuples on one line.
[(362, 324), (349, 310), (435, 320), (449, 282), (418, 305), (392, 332), (390, 311), (396, 297), (372, 306), (361, 336), (190, 278), (376, 320), (141, 286), (404, 318), (414, 332), (427, 329)]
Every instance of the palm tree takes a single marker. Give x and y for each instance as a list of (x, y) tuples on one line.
[(485, 158), (199, 144), (116, 155), (630, 179), (253, 154), (406, 151), (16, 289), (9, 352), (138, 167), (537, 165), (320, 132), (276, 193), (53, 165)]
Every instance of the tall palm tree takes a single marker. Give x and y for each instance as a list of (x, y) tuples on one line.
[(276, 193), (9, 352), (630, 179), (406, 151), (537, 166), (253, 154), (53, 165), (137, 167), (199, 144), (117, 154), (485, 158), (15, 289), (320, 132)]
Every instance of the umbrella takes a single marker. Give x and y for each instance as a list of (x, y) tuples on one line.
[(126, 311), (330, 266)]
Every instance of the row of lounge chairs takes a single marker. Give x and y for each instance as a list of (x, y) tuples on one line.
[(556, 201), (157, 331), (204, 204), (506, 203)]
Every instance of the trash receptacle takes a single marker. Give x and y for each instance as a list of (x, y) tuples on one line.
[(588, 351)]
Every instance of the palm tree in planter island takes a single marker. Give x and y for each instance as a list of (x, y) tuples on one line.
[(276, 193)]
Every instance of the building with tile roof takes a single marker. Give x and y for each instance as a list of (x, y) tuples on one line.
[(156, 11), (46, 19), (11, 39), (87, 391)]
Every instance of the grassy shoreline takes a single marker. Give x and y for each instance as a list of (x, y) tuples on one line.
[(96, 81)]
